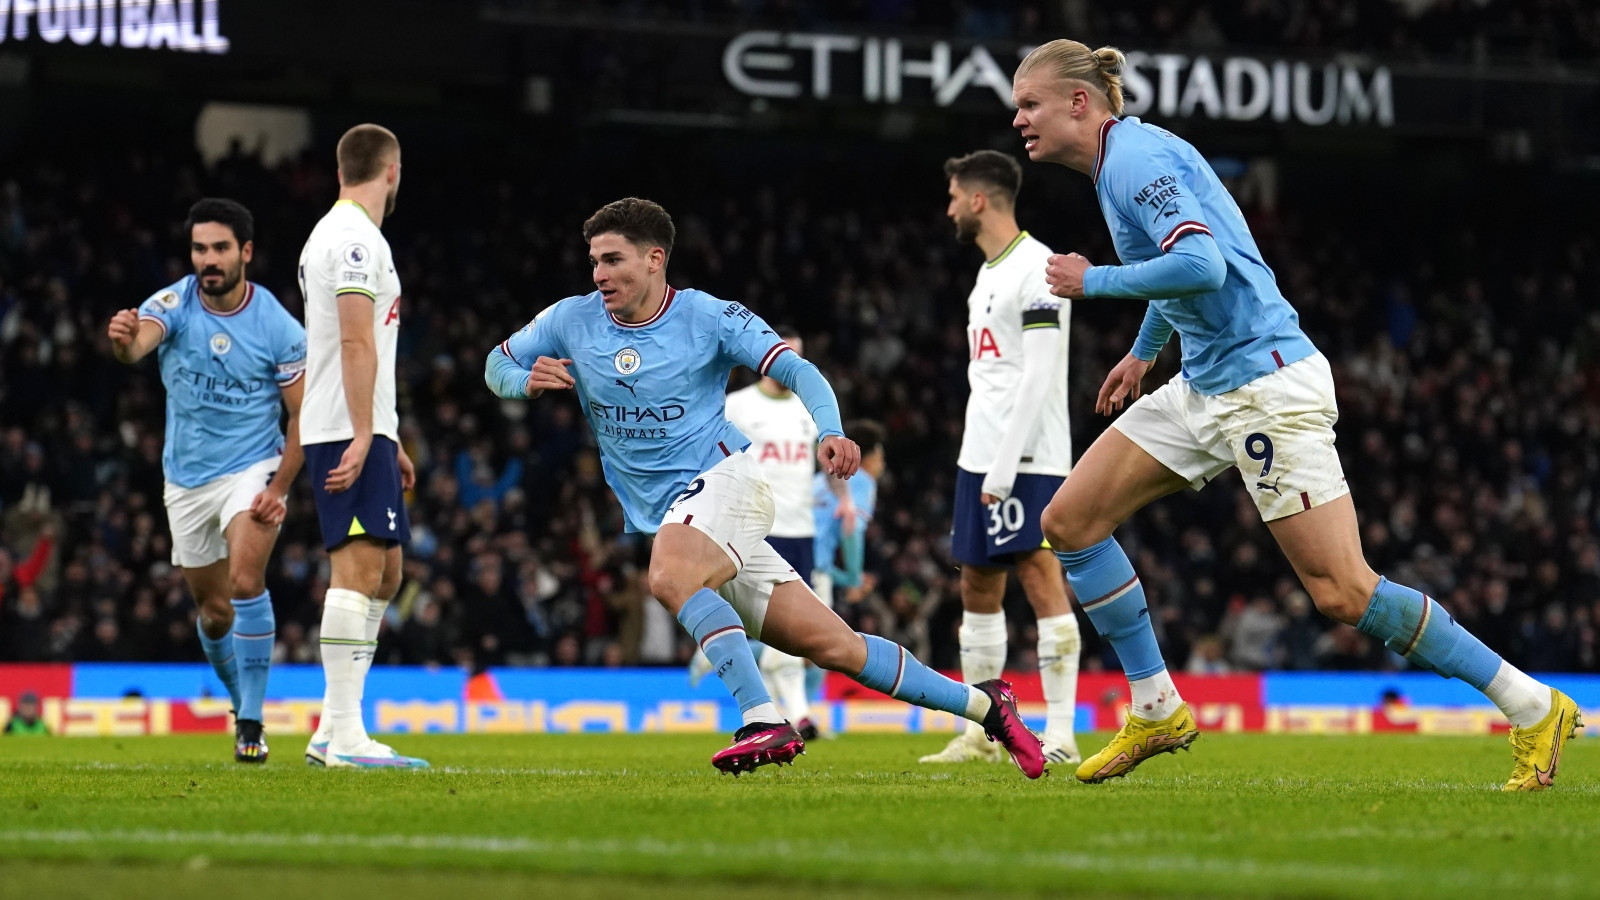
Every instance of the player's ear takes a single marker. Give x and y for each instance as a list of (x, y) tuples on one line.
[(1080, 102), (247, 250), (658, 258)]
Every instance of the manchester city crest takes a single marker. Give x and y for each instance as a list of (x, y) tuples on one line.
[(627, 361), (221, 343)]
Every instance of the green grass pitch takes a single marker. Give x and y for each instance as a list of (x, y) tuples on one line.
[(578, 816)]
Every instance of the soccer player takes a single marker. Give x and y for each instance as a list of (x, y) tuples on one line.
[(1254, 393), (781, 434), (350, 429), (840, 543), (840, 549), (1015, 450), (649, 364), (231, 356)]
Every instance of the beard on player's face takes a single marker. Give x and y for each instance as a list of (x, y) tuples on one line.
[(216, 281), (967, 228), (388, 201)]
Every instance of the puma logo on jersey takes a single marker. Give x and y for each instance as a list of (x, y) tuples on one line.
[(621, 383), (1273, 487)]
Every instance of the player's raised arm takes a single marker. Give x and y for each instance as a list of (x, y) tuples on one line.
[(1155, 193), (749, 341), (505, 374), (136, 332)]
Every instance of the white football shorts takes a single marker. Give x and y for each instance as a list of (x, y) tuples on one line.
[(731, 503), (199, 515), (1277, 429)]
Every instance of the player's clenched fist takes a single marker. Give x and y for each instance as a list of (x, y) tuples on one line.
[(1064, 274), (549, 374), (123, 329), (839, 456)]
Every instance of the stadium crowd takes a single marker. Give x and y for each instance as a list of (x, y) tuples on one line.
[(1459, 30), (1470, 429)]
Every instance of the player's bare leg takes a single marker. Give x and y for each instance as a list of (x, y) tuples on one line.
[(359, 566), (686, 568), (799, 624), (1324, 546), (1059, 647), (250, 544), (982, 637), (1114, 479)]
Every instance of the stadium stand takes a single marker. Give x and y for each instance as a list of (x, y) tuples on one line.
[(1471, 425)]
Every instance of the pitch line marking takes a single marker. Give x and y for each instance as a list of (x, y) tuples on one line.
[(834, 851)]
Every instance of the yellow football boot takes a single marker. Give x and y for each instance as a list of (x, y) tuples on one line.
[(1537, 750), (1139, 740)]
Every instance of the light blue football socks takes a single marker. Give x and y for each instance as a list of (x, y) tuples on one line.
[(1417, 627), (254, 632), (893, 671), (219, 651), (721, 636), (1111, 594)]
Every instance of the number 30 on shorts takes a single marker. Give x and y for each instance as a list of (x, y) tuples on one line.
[(1005, 516)]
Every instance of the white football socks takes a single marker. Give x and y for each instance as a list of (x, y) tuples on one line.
[(376, 608), (1155, 697), (346, 652), (1524, 701), (786, 682), (1059, 646), (983, 654), (762, 712)]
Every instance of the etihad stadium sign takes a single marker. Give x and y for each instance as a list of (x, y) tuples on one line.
[(190, 26), (891, 72)]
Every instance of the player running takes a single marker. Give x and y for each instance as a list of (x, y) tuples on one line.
[(1254, 392), (1015, 451), (350, 428), (230, 356), (781, 434), (649, 364)]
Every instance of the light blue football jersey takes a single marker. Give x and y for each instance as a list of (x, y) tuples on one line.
[(653, 391), (1155, 189), (223, 373)]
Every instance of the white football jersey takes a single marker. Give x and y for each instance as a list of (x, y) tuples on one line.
[(783, 440), (346, 253), (1011, 293)]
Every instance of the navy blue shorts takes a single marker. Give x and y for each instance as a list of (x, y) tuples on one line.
[(374, 507), (798, 552), (992, 535)]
